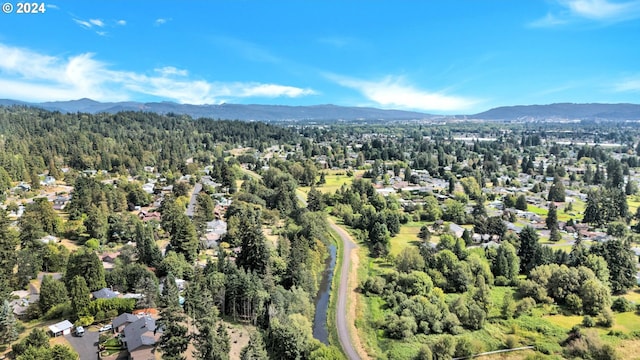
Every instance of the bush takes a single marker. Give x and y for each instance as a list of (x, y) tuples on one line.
[(464, 348), (525, 306), (588, 321), (606, 319), (621, 304), (574, 304), (59, 311), (501, 281), (511, 342)]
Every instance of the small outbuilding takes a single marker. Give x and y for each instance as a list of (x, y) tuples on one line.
[(61, 328)]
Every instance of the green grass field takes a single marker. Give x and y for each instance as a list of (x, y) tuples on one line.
[(334, 179), (537, 210)]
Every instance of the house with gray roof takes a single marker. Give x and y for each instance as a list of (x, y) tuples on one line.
[(141, 337), (124, 319), (105, 293)]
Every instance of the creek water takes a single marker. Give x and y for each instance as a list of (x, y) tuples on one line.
[(320, 330)]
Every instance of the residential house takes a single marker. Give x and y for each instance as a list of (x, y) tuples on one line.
[(141, 337), (105, 293), (60, 202), (48, 181), (148, 216), (456, 229), (124, 319), (24, 299)]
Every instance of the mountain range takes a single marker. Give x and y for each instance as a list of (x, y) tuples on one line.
[(560, 111)]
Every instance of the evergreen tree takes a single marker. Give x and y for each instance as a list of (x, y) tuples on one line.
[(8, 324), (211, 344), (254, 254), (146, 247), (552, 216), (80, 296), (8, 244), (86, 264), (52, 292), (556, 191), (255, 349), (204, 212), (170, 292), (174, 339), (379, 240), (530, 250), (521, 203), (315, 201), (621, 262)]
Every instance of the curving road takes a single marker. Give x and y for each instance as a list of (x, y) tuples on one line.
[(343, 292), (343, 288)]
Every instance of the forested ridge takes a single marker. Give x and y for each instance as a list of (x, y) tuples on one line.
[(36, 140)]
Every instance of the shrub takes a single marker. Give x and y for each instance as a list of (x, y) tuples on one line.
[(511, 342), (621, 304), (588, 321), (525, 306), (501, 281), (464, 348), (606, 318), (574, 303)]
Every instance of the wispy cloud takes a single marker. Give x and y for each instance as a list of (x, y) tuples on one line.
[(89, 23), (32, 76), (602, 11), (393, 91), (121, 22), (247, 49), (83, 23), (52, 6), (629, 84), (336, 41), (97, 22), (170, 70), (161, 21)]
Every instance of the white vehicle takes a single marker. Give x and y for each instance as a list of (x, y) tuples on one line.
[(107, 327), (79, 331)]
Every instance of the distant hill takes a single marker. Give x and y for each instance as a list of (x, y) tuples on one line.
[(568, 111), (232, 111)]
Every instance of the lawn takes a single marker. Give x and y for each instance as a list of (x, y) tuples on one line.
[(537, 210), (334, 179)]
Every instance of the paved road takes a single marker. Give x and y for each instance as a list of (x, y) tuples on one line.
[(343, 287), (86, 346), (343, 293)]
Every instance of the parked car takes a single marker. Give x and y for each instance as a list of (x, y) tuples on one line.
[(107, 327), (79, 331)]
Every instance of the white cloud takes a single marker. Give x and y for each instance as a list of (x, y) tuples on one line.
[(97, 22), (83, 23), (271, 90), (52, 6), (392, 91), (101, 33), (161, 21), (170, 70), (629, 84), (604, 11), (121, 22), (31, 76)]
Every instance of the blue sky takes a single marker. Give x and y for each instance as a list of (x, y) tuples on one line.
[(443, 57)]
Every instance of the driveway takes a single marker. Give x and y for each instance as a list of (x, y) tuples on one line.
[(86, 346)]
